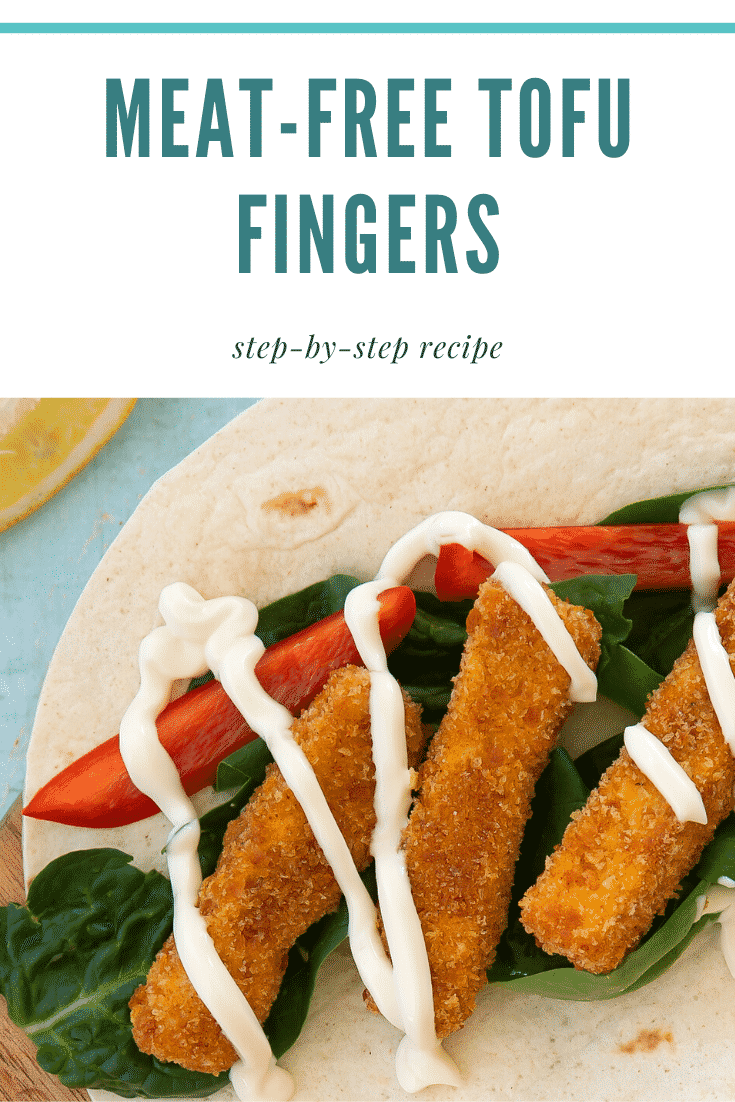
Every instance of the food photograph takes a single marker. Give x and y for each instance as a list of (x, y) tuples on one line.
[(387, 751)]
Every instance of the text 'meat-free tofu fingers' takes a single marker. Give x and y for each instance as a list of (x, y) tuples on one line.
[(272, 880), (510, 699), (623, 856)]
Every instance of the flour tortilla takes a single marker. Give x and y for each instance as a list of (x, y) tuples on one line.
[(294, 490)]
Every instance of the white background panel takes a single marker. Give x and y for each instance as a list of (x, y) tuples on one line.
[(613, 278)]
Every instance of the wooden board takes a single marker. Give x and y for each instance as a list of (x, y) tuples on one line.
[(21, 1079)]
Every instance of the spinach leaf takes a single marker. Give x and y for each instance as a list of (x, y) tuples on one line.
[(559, 792), (661, 619), (300, 610), (718, 858), (288, 1013), (245, 766), (428, 658), (622, 675), (244, 770), (72, 957), (70, 961), (290, 614), (654, 510), (662, 622), (593, 763)]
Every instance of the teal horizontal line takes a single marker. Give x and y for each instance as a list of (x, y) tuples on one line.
[(367, 28)]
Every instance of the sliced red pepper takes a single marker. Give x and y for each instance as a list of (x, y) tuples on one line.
[(657, 553), (203, 726), (459, 573)]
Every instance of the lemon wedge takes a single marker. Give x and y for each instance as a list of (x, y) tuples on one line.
[(45, 441)]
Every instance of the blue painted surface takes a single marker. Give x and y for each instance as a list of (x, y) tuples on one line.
[(369, 28), (46, 559)]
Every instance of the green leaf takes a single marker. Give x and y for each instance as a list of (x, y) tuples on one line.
[(662, 619), (654, 510), (718, 858), (439, 625), (71, 959), (593, 763), (626, 679), (428, 658), (605, 595), (299, 610), (622, 676), (245, 768), (662, 625), (559, 792), (288, 1013)]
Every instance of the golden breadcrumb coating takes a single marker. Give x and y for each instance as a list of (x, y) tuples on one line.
[(272, 880), (510, 698), (623, 856)]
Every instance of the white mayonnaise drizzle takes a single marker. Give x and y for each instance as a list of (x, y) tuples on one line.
[(719, 898), (532, 598), (428, 538), (700, 513), (704, 566), (715, 663), (219, 635), (655, 761), (653, 758), (192, 640), (420, 1060)]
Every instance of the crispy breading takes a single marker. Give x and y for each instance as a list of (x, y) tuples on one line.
[(510, 699), (623, 856), (272, 880)]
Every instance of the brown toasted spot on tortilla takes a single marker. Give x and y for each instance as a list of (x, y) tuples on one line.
[(297, 503), (646, 1040)]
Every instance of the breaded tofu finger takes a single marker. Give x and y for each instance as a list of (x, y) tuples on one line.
[(623, 856), (510, 698), (272, 880)]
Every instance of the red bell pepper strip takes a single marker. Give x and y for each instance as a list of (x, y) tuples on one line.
[(203, 726), (657, 553)]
